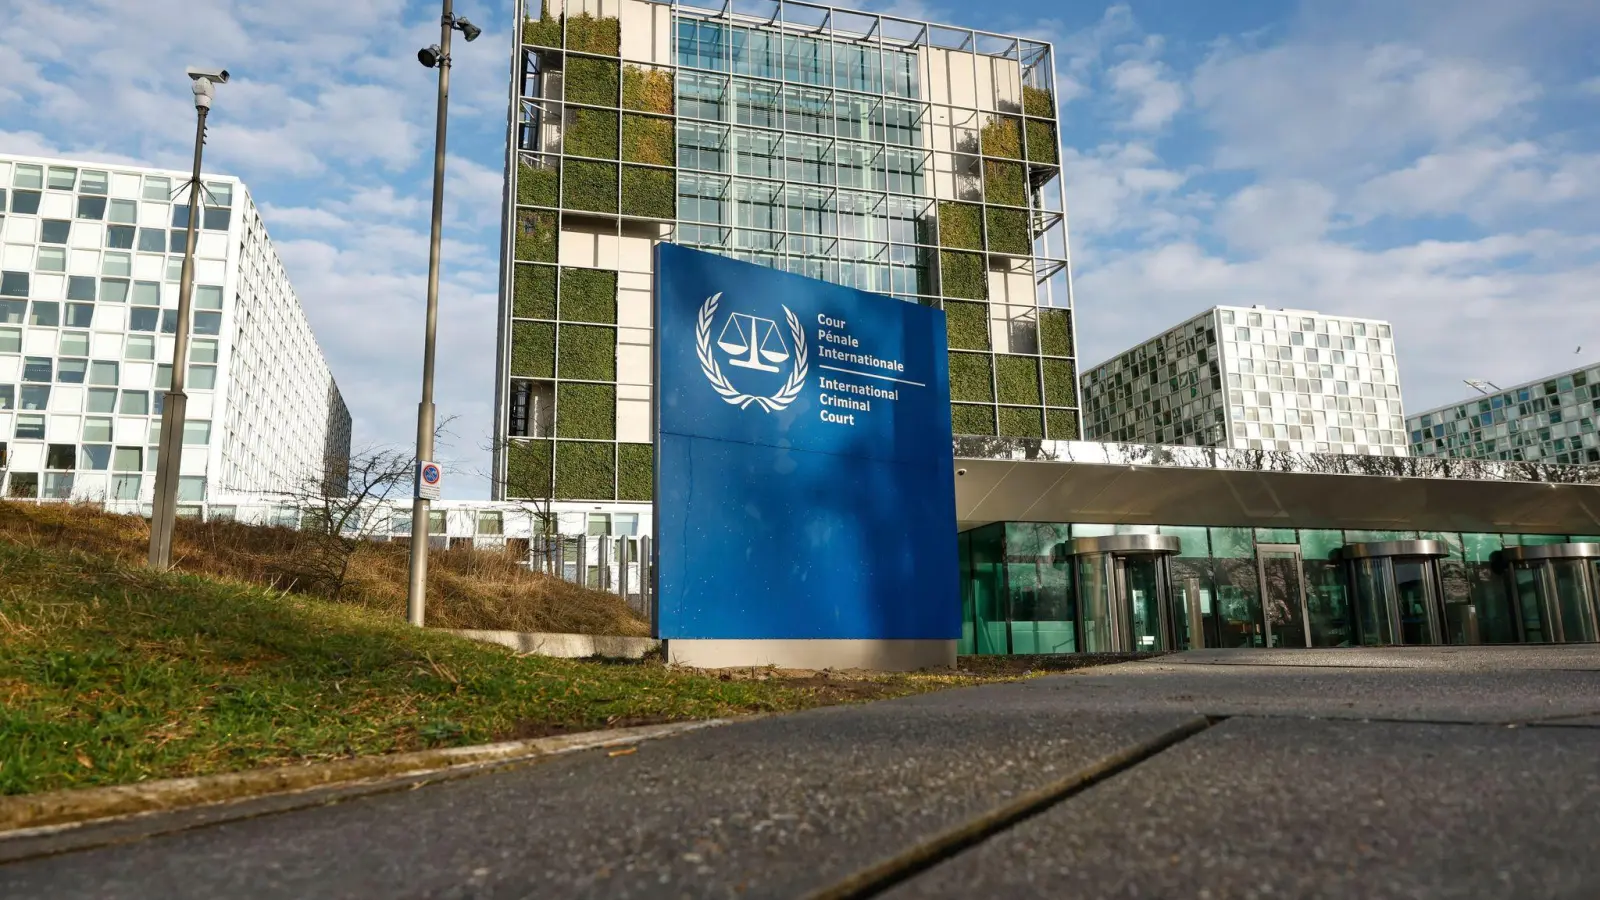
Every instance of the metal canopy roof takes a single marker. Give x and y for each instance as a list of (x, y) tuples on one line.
[(1143, 485)]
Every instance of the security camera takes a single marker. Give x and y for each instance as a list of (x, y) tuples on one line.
[(220, 76), (467, 29), (961, 471)]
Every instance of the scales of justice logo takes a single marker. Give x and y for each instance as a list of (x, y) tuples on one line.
[(753, 343)]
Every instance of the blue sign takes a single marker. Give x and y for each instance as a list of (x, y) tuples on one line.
[(804, 474)]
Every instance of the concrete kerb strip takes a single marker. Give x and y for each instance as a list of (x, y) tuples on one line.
[(41, 814), (565, 646)]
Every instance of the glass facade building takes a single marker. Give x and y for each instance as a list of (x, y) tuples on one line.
[(896, 156), (1023, 592), (1072, 547), (90, 259), (1548, 420), (1255, 379)]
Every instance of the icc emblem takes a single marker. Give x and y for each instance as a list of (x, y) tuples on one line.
[(751, 342)]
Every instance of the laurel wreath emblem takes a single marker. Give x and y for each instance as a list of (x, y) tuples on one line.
[(713, 372)]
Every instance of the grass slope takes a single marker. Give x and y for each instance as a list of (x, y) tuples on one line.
[(111, 673), (467, 588)]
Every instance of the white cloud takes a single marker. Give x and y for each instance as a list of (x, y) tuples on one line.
[(1306, 107), (1271, 215), (1486, 184), (31, 143), (1439, 183), (1119, 189), (1143, 86), (1590, 86), (474, 192)]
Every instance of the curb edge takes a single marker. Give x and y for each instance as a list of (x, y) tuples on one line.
[(33, 815)]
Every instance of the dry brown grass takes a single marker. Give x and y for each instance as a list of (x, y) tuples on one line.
[(467, 588)]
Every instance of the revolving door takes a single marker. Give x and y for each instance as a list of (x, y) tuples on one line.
[(1396, 591), (1124, 593), (1553, 590)]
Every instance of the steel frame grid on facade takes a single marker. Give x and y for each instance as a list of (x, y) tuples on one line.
[(1041, 218)]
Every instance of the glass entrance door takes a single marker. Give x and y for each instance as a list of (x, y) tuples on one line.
[(1555, 589), (1556, 599), (1416, 587), (1122, 585), (1283, 595), (1142, 586), (1574, 597)]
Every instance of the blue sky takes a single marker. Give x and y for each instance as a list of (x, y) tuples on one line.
[(1433, 163)]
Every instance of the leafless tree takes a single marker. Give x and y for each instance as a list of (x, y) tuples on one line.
[(336, 514), (336, 511)]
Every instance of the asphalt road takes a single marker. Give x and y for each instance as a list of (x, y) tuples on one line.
[(1446, 772)]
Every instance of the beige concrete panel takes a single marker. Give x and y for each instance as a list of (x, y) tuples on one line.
[(634, 254), (194, 459), (87, 235), (1006, 76), (27, 457), (633, 308), (124, 186), (83, 262), (211, 243), (140, 376), (607, 251), (111, 317), (105, 346), (39, 341), (66, 398), (48, 286), (881, 655), (129, 431), (633, 364), (984, 85), (154, 215), (61, 429), (633, 421), (55, 206), (638, 24), (577, 248), (21, 230)]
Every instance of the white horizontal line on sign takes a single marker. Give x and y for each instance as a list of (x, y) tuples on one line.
[(871, 375)]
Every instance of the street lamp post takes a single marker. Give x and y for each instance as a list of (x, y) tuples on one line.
[(169, 452), (436, 56)]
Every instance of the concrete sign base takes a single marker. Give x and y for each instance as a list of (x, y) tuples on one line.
[(878, 655)]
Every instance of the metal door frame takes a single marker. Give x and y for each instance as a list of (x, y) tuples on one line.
[(1300, 579), (1112, 553), (1539, 560)]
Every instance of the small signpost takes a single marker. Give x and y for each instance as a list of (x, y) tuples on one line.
[(429, 479)]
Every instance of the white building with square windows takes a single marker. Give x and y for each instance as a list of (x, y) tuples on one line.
[(1254, 379), (90, 259)]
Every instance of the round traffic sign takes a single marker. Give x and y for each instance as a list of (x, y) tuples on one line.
[(430, 473)]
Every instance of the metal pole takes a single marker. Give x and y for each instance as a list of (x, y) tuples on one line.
[(416, 597), (169, 452)]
